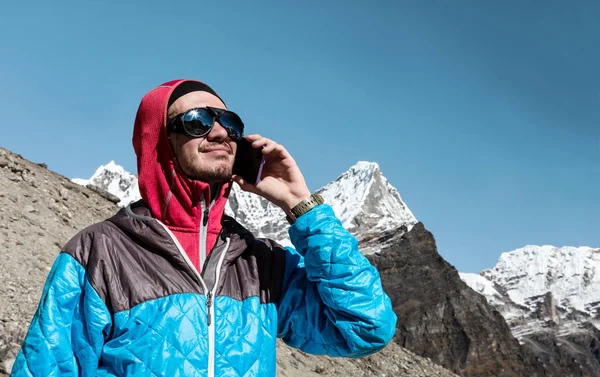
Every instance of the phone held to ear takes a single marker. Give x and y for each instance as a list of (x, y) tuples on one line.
[(248, 162)]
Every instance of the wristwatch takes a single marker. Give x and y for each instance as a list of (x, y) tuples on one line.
[(304, 206)]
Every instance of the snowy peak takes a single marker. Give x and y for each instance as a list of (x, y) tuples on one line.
[(571, 274), (537, 288), (363, 198), (116, 180), (111, 167)]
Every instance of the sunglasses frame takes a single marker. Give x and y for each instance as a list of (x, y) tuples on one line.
[(176, 124)]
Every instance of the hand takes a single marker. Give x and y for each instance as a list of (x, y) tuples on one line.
[(281, 182)]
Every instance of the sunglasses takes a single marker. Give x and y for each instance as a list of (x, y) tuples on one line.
[(199, 121)]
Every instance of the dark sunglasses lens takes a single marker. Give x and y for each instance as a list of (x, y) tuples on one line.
[(233, 124), (197, 122)]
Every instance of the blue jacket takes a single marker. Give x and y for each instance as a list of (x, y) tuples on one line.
[(123, 299)]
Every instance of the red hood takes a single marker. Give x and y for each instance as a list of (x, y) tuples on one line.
[(172, 197)]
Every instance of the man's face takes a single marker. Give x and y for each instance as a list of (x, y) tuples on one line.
[(208, 158)]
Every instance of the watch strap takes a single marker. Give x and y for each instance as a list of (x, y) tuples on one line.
[(304, 206)]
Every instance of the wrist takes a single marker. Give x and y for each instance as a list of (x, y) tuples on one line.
[(304, 206), (293, 201)]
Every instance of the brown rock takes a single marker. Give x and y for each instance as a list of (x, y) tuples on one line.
[(440, 317)]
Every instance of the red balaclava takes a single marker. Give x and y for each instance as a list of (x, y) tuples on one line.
[(172, 197)]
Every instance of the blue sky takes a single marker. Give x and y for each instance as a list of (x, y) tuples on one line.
[(484, 115)]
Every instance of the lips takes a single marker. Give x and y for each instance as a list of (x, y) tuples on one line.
[(217, 148), (217, 152)]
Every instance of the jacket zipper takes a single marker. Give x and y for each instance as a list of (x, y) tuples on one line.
[(211, 313), (210, 309), (209, 295), (203, 232)]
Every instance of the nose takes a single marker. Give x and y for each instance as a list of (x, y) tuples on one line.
[(218, 132)]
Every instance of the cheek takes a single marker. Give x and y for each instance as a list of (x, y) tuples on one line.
[(189, 152)]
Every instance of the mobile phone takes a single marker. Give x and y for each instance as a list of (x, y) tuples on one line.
[(248, 161)]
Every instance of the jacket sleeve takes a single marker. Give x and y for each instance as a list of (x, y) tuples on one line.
[(68, 330), (332, 300)]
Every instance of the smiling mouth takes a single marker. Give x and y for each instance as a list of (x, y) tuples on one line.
[(217, 150)]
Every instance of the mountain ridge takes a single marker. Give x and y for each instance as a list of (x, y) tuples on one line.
[(361, 197)]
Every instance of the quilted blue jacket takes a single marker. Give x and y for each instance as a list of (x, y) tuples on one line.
[(123, 300)]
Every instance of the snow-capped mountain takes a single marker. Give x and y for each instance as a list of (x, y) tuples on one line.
[(362, 198), (116, 180), (572, 274), (539, 287)]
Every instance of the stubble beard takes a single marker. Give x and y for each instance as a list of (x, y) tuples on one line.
[(220, 174), (203, 167), (219, 171)]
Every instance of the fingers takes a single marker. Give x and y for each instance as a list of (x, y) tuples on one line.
[(253, 137), (258, 141), (269, 147)]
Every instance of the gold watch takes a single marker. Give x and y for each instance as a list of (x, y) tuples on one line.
[(304, 206)]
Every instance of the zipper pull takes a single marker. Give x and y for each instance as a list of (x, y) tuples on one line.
[(208, 305), (205, 217)]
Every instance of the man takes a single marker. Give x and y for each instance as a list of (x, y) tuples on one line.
[(170, 286)]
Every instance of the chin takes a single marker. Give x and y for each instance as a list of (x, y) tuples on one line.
[(219, 174)]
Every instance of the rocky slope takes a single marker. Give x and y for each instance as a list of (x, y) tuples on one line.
[(550, 297), (439, 316), (40, 210)]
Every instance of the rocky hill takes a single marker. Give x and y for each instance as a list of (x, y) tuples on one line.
[(440, 317), (40, 210)]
